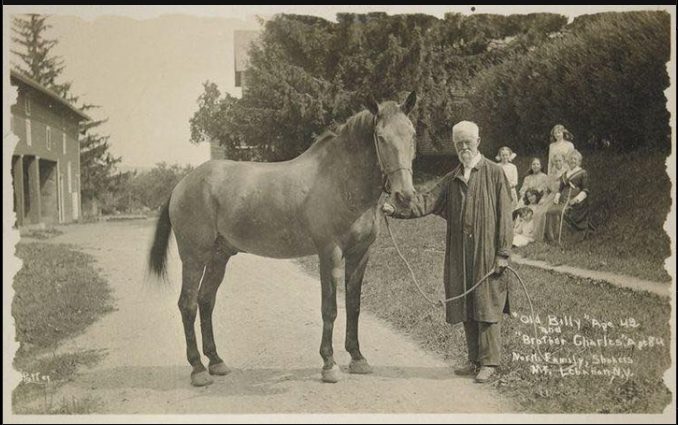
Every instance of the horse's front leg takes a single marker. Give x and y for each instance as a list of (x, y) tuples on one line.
[(356, 262), (331, 272)]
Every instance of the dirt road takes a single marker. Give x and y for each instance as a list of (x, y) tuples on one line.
[(267, 328)]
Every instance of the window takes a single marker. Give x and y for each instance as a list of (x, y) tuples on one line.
[(28, 131), (27, 106), (48, 138), (69, 176), (63, 142)]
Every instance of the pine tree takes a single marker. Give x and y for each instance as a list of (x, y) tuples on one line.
[(35, 53)]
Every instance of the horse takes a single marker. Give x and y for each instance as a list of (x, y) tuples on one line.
[(324, 202)]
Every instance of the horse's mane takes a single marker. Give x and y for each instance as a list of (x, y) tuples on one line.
[(360, 123), (324, 136)]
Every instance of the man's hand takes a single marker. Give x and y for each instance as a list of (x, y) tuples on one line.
[(500, 263), (556, 199), (388, 209)]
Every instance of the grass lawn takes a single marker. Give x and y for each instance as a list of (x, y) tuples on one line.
[(389, 294), (58, 293)]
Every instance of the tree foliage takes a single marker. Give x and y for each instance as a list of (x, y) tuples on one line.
[(604, 79), (34, 53), (307, 74), (151, 189)]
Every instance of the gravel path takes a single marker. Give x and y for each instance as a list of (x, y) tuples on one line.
[(662, 289), (267, 329)]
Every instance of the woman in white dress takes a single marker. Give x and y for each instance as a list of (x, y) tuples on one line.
[(561, 144), (504, 157)]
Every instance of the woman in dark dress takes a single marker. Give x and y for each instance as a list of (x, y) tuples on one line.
[(573, 196)]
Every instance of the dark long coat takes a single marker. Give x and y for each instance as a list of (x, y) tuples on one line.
[(577, 215), (482, 209)]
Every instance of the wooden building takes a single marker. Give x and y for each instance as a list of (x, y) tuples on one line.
[(46, 160)]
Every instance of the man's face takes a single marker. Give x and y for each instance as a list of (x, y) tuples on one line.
[(467, 147)]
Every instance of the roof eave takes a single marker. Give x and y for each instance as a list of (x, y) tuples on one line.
[(50, 93)]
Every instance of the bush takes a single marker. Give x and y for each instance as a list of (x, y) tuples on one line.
[(603, 78)]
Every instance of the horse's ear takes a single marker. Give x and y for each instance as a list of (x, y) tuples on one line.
[(372, 105), (409, 103)]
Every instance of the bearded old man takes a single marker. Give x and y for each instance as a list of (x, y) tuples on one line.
[(475, 200)]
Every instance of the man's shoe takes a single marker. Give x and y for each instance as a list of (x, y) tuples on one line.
[(469, 370), (485, 374)]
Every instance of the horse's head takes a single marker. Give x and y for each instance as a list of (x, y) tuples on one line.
[(395, 146)]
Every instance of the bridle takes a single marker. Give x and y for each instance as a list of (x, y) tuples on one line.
[(385, 172)]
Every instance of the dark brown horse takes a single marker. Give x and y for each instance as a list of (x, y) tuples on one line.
[(322, 202)]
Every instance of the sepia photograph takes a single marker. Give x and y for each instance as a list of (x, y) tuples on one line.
[(346, 213)]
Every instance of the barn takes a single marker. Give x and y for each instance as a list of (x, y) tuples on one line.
[(46, 160)]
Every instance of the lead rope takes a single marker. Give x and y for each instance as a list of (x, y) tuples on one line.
[(443, 301)]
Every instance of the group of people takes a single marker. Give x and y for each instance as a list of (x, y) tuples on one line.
[(478, 199), (552, 201)]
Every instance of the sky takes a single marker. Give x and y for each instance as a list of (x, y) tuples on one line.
[(145, 65)]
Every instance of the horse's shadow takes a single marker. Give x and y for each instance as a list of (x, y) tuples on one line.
[(240, 382)]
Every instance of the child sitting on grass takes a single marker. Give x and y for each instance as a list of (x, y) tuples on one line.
[(523, 229)]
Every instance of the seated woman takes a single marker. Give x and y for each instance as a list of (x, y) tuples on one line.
[(505, 156), (553, 181), (535, 179), (571, 202), (523, 229)]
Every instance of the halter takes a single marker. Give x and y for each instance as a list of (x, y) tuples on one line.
[(385, 173)]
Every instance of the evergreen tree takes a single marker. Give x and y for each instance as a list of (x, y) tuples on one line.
[(35, 53), (307, 74)]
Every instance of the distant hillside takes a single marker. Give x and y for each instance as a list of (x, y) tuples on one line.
[(137, 169)]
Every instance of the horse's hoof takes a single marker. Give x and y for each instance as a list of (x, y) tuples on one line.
[(331, 375), (201, 379), (219, 369), (360, 367)]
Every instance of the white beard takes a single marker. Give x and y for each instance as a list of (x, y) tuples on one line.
[(466, 158)]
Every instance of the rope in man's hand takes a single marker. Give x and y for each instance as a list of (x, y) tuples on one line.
[(443, 301)]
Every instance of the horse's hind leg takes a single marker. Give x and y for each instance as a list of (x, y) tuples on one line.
[(192, 273), (214, 275)]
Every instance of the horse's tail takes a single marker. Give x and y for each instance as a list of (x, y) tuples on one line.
[(157, 260)]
